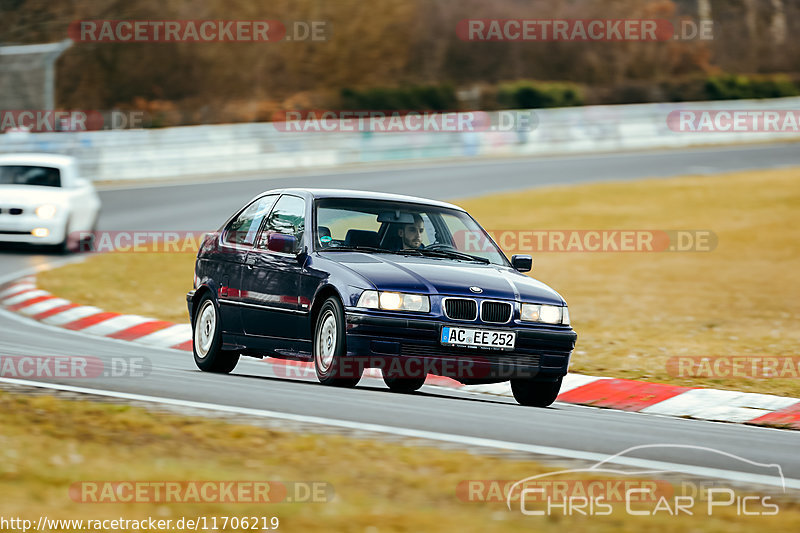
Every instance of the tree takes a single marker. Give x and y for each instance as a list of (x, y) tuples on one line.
[(778, 26)]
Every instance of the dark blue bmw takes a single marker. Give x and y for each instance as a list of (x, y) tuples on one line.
[(351, 280)]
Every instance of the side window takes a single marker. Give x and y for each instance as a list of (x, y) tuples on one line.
[(333, 224), (429, 235), (287, 217), (244, 228)]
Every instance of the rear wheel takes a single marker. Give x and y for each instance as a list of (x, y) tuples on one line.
[(330, 350), (401, 384), (533, 393), (207, 340)]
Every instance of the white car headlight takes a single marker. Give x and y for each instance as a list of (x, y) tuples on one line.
[(395, 301), (548, 314), (46, 212)]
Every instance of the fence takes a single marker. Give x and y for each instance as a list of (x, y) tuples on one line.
[(250, 148)]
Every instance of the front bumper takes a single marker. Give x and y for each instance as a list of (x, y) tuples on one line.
[(190, 304), (19, 229), (412, 343)]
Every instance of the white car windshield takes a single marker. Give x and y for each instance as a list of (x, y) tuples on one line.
[(30, 175), (382, 226)]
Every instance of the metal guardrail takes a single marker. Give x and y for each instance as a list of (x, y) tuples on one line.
[(250, 148)]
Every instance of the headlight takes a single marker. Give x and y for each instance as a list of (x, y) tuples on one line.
[(548, 314), (395, 301), (46, 212)]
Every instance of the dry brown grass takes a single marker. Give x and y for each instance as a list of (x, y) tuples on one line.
[(148, 284), (632, 311), (47, 444)]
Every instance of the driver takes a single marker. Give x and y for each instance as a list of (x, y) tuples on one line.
[(411, 234)]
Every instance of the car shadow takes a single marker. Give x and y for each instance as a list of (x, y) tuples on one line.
[(29, 249), (383, 390)]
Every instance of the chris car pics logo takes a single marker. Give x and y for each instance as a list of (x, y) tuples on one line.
[(641, 492)]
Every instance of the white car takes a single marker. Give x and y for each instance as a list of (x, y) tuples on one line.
[(43, 200)]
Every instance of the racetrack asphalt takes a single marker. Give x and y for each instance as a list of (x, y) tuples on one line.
[(204, 206)]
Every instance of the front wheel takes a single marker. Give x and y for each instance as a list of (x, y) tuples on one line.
[(207, 340), (533, 393), (67, 245), (330, 361), (403, 384)]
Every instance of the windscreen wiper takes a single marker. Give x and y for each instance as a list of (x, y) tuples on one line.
[(451, 254), (355, 249)]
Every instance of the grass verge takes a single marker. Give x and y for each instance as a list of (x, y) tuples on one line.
[(632, 311), (47, 444)]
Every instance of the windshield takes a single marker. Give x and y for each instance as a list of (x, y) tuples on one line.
[(381, 226), (29, 175)]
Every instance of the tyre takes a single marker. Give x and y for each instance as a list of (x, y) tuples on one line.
[(86, 243), (403, 385), (66, 246), (330, 350), (207, 339), (533, 393)]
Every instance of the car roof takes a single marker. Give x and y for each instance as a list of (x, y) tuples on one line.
[(52, 160), (365, 195)]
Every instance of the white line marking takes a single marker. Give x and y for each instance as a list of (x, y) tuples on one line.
[(17, 287), (713, 414), (730, 406), (71, 315), (169, 336), (29, 274), (24, 297), (497, 389), (41, 307), (573, 381), (115, 324), (42, 324), (717, 473)]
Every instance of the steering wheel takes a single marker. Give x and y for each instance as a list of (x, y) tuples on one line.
[(440, 246)]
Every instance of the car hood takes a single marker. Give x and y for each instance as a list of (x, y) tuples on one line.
[(27, 195), (445, 276)]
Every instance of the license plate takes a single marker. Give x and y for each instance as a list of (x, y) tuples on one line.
[(478, 338)]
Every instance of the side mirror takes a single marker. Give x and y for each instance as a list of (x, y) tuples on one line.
[(522, 263), (280, 242)]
